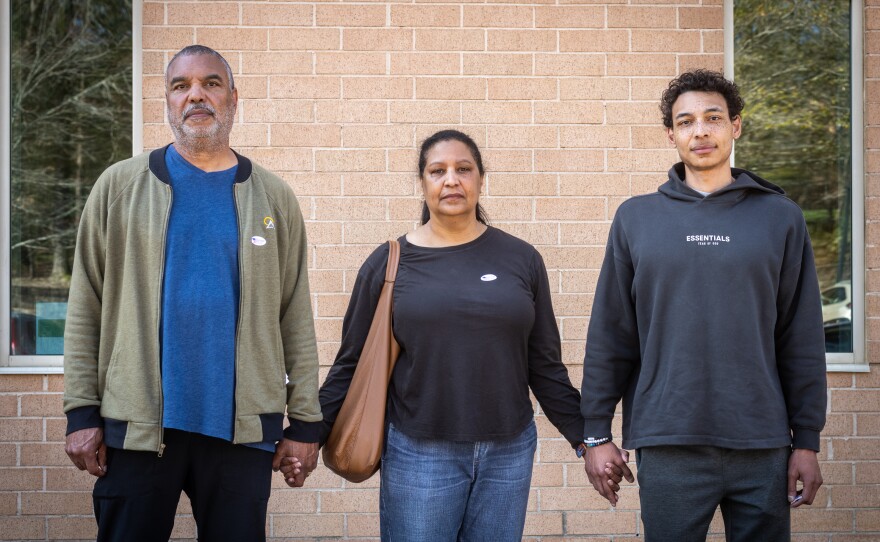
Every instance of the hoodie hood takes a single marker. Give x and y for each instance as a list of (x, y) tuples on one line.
[(743, 182)]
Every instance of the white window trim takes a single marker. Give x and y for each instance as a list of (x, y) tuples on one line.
[(854, 362), (46, 364)]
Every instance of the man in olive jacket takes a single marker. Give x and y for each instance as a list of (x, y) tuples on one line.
[(189, 331)]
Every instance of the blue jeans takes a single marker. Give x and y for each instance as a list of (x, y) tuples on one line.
[(441, 490)]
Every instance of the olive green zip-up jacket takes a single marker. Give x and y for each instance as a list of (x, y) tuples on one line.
[(112, 366)]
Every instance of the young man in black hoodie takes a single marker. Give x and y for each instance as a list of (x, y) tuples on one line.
[(707, 322)]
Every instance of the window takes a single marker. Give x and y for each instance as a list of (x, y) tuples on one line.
[(796, 62), (67, 113)]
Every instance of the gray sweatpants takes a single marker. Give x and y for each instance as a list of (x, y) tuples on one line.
[(680, 487)]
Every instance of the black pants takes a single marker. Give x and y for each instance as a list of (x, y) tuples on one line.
[(228, 486), (680, 487)]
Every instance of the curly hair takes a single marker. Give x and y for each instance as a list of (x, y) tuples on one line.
[(701, 81)]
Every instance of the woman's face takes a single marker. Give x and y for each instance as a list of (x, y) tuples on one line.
[(451, 181)]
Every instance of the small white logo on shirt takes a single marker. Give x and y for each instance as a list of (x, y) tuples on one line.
[(258, 241), (707, 240), (488, 278)]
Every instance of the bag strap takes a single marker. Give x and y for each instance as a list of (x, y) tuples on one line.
[(393, 260)]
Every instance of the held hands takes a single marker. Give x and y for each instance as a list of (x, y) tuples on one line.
[(803, 465), (295, 460), (86, 449), (606, 467)]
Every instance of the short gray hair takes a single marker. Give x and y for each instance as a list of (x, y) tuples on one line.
[(193, 50)]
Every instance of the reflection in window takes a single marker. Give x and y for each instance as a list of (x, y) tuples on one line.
[(792, 63), (71, 117)]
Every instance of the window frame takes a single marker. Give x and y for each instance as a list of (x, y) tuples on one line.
[(855, 361), (34, 364)]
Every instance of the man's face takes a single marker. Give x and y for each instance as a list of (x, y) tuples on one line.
[(702, 130), (201, 104)]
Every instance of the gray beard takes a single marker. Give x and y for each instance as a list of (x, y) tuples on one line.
[(214, 140)]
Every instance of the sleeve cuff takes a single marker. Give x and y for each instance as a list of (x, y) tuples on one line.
[(301, 431), (597, 427), (805, 439), (84, 418)]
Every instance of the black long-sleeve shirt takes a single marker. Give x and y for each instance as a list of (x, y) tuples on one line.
[(476, 329)]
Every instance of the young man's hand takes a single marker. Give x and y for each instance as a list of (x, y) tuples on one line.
[(606, 467), (803, 465)]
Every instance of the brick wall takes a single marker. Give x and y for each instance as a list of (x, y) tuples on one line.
[(563, 99)]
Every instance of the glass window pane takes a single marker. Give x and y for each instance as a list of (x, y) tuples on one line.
[(792, 63), (71, 116)]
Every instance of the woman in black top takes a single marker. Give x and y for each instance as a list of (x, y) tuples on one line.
[(475, 324)]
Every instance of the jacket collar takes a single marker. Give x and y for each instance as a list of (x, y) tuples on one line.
[(160, 169)]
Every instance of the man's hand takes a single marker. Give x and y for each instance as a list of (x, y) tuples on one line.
[(606, 467), (803, 465), (295, 460), (87, 450)]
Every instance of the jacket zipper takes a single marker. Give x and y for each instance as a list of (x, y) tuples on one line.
[(159, 320), (240, 296)]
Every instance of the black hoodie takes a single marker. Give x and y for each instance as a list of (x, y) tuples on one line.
[(707, 321)]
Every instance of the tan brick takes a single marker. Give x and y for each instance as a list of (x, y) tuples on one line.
[(68, 479), (303, 87), (594, 136), (506, 208), (867, 520), (322, 281), (641, 17), (341, 257), (57, 503), (495, 16), (579, 281), (510, 88), (866, 496), (276, 110), (245, 135), (572, 258), (855, 449), (56, 428), (350, 63), (713, 41), (598, 41), (382, 136), (8, 406), (153, 13), (650, 137), (8, 504), (569, 160), (428, 16), (497, 160), (425, 64), (349, 15), (252, 87), (667, 41), (570, 208), (377, 87), (349, 160), (405, 160), (330, 305), (522, 136), (496, 112), (362, 525), (595, 184), (601, 522), (569, 17), (38, 455), (306, 135), (23, 528), (350, 500), (594, 88), (506, 184), (26, 479), (277, 159), (374, 233), (17, 430), (426, 112), (497, 64), (521, 40), (233, 39), (194, 14), (351, 111), (641, 64), (450, 88), (569, 113), (8, 455), (567, 64), (167, 38), (855, 400), (450, 40), (314, 39), (543, 523), (276, 63), (404, 209), (579, 498), (154, 63), (701, 18), (369, 39), (532, 233), (325, 233), (707, 62), (641, 160), (841, 425), (276, 15), (14, 383), (379, 184), (66, 528), (629, 113)]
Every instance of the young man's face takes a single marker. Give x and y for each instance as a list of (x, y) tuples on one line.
[(702, 130)]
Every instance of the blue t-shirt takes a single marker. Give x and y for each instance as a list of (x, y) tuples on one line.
[(200, 300)]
